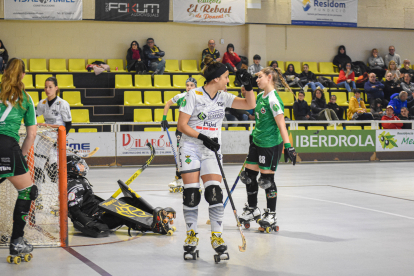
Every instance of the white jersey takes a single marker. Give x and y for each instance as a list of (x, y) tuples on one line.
[(57, 114), (206, 113), (177, 99)]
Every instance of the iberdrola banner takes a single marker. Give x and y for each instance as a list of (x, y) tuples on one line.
[(210, 12)]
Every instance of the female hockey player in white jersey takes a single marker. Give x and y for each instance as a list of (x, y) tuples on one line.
[(201, 116), (190, 83)]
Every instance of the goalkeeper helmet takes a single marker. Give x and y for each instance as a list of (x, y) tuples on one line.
[(76, 166)]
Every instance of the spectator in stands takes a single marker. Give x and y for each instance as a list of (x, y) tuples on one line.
[(134, 59), (393, 56), (211, 50), (307, 78), (341, 58), (251, 111), (407, 85), (274, 64), (389, 116), (301, 109), (405, 116), (374, 89), (231, 59), (376, 109), (291, 77), (390, 86), (320, 110), (154, 56), (335, 107), (255, 67), (376, 64), (4, 57), (406, 69), (347, 77), (394, 70), (399, 100), (357, 109)]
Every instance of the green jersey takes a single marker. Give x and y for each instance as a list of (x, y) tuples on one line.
[(266, 133), (179, 98), (11, 117)]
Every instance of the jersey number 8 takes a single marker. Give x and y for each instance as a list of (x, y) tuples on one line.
[(262, 159)]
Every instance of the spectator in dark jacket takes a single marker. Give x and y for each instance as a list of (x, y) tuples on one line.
[(274, 64), (301, 109), (341, 58), (134, 59), (347, 77), (154, 56), (389, 116), (408, 86), (405, 116), (291, 77), (374, 89), (376, 109), (231, 59), (4, 56), (406, 69), (210, 50), (307, 78), (320, 110), (390, 86), (376, 64), (335, 107)]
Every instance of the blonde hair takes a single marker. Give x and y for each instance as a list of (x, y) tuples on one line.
[(276, 76), (389, 65), (12, 86), (375, 49)]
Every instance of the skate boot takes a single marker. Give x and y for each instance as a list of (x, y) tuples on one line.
[(190, 245), (219, 246), (249, 214), (268, 222), (20, 249), (176, 185)]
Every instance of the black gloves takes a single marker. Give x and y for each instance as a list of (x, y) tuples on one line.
[(211, 144), (245, 79), (290, 154), (99, 227), (164, 124)]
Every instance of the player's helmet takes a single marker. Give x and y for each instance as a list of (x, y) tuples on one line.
[(76, 166)]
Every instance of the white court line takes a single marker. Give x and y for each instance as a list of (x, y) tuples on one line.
[(349, 205)]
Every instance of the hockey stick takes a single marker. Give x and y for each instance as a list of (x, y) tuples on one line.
[(172, 147), (75, 152), (243, 247), (139, 171)]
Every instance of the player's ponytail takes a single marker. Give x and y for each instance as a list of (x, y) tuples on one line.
[(11, 83), (276, 76), (54, 80), (212, 69)]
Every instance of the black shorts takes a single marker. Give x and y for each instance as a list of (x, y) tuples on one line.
[(12, 161), (266, 158)]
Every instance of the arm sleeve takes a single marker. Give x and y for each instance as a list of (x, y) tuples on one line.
[(177, 97), (188, 104), (77, 215), (30, 115), (276, 106), (367, 86), (341, 76), (65, 112), (381, 63), (237, 58)]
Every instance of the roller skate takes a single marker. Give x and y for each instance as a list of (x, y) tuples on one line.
[(163, 218), (39, 202), (190, 245), (55, 210), (20, 249), (268, 222), (249, 214), (176, 186), (219, 246)]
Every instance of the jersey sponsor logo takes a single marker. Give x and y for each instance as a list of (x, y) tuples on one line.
[(218, 114), (276, 108), (71, 196), (184, 103), (263, 110), (5, 159), (209, 124), (220, 103), (201, 116), (4, 168), (199, 93), (206, 128), (188, 160)]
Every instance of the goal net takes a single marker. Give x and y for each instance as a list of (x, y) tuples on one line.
[(46, 224)]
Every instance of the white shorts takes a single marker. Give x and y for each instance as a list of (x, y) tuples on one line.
[(194, 158)]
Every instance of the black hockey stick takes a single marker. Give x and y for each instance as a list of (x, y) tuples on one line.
[(243, 247)]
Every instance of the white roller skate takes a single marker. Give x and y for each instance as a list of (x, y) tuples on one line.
[(176, 186), (268, 222), (20, 249), (249, 214), (219, 246), (190, 245)]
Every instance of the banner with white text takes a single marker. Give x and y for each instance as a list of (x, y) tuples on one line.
[(210, 12)]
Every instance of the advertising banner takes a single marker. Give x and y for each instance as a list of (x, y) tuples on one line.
[(210, 12), (391, 140), (310, 141), (43, 10), (338, 13), (132, 10), (135, 143), (87, 142)]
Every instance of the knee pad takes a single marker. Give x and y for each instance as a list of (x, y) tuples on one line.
[(191, 195), (248, 176), (213, 193), (29, 193), (266, 180)]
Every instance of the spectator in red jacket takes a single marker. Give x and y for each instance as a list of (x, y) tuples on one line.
[(347, 77), (390, 116), (231, 59)]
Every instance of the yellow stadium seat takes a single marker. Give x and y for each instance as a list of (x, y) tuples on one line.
[(232, 78), (313, 66), (162, 81), (282, 66), (235, 93), (176, 114), (65, 81), (327, 97), (1, 75), (200, 80), (168, 95), (40, 80), (143, 115), (353, 127), (298, 68), (171, 65), (116, 63), (40, 119), (179, 81), (123, 81), (38, 65), (73, 98), (72, 130), (299, 128), (158, 113), (57, 65), (237, 128), (326, 68), (367, 127), (172, 129), (92, 60), (133, 98), (152, 129), (286, 112), (143, 81), (189, 66), (27, 81), (87, 130), (287, 98), (340, 98), (80, 115), (26, 65), (223, 128), (316, 128), (35, 97), (77, 65), (152, 98)]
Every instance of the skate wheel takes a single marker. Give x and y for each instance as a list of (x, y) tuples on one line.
[(194, 256), (181, 189), (171, 222), (41, 207), (258, 220), (268, 229), (28, 257), (165, 221), (261, 229), (17, 260), (247, 225), (171, 190), (9, 259), (170, 232), (173, 228), (276, 228)]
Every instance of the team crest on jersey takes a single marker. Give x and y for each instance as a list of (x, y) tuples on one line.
[(58, 103), (263, 110), (199, 93), (184, 103), (188, 160), (201, 116), (276, 107), (44, 102)]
